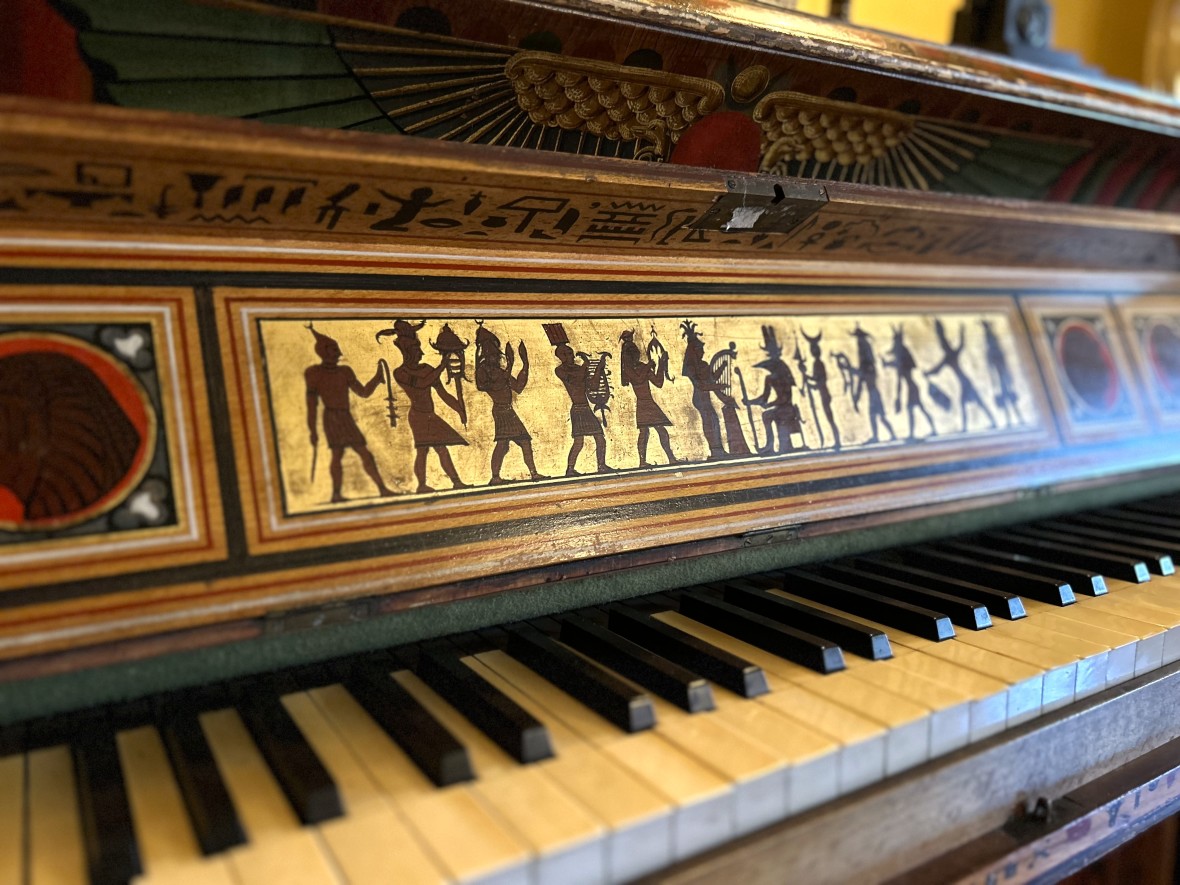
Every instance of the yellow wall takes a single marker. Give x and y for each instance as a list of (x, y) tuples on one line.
[(1106, 33)]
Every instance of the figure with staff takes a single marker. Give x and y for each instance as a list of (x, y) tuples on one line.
[(331, 383), (420, 380), (640, 376), (581, 375), (493, 376), (780, 415)]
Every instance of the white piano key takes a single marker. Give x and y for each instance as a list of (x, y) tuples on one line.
[(705, 815), (1092, 610), (640, 820), (862, 741), (56, 855), (278, 849), (565, 838), (168, 848), (471, 844), (372, 844), (1025, 682), (12, 818)]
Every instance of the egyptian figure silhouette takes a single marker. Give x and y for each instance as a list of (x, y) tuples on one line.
[(331, 383), (951, 354), (997, 365), (640, 376), (697, 371), (817, 381), (902, 361), (779, 413), (578, 374), (420, 381), (867, 383), (493, 376)]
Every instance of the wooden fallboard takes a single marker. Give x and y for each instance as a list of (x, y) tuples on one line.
[(244, 374)]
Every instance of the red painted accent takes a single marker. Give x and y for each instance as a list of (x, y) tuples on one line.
[(12, 509), (120, 386), (725, 140), (1121, 177), (1163, 182), (1066, 187), (1110, 394), (39, 53)]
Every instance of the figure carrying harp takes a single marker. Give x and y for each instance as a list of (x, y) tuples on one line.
[(330, 382), (707, 378), (419, 380), (580, 374)]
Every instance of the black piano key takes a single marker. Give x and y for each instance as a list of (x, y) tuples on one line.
[(1134, 528), (1171, 523), (307, 784), (211, 811), (971, 615), (1003, 577), (514, 729), (801, 647), (659, 675), (1167, 507), (603, 692), (1111, 565), (1000, 604), (1087, 582), (436, 752), (718, 665), (1169, 547), (752, 595), (1158, 561), (112, 854), (915, 619), (12, 739)]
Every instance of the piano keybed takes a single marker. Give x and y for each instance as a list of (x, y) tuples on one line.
[(604, 744)]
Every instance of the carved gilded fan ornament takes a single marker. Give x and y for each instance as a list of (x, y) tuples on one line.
[(611, 101)]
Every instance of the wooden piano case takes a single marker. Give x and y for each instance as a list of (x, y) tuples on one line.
[(657, 297)]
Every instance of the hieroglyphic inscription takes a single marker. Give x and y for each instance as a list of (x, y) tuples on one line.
[(66, 188)]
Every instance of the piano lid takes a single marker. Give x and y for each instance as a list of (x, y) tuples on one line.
[(733, 86)]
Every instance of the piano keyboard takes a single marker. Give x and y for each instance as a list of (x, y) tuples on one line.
[(603, 744)]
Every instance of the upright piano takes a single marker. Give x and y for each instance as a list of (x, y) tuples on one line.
[(577, 441)]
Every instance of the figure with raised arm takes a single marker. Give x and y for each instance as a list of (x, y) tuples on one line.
[(331, 383), (493, 376), (951, 356)]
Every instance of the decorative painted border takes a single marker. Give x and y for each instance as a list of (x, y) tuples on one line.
[(196, 533)]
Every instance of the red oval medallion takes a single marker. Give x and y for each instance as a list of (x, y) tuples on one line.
[(76, 431)]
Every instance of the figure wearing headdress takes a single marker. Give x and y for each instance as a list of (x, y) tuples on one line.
[(640, 375), (951, 354), (902, 361), (579, 374), (493, 376), (697, 371), (817, 380), (331, 383), (866, 382), (997, 364), (779, 415), (420, 381)]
